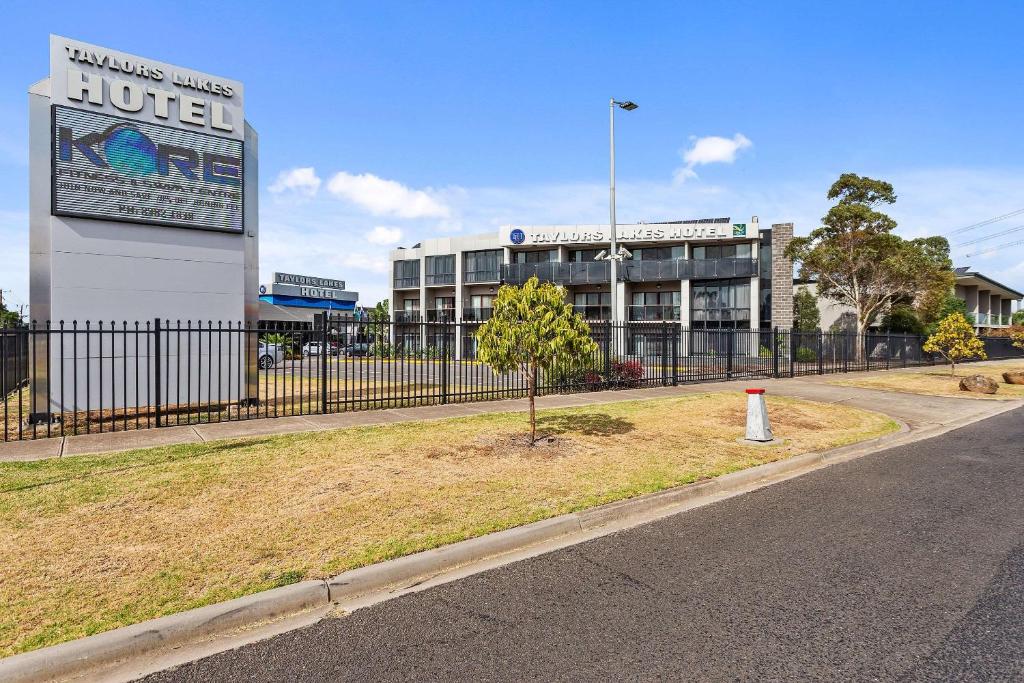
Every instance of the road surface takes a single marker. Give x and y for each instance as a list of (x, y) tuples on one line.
[(903, 565)]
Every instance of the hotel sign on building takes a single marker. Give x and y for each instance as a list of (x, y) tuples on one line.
[(547, 235)]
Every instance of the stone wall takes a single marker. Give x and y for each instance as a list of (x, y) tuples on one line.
[(782, 277)]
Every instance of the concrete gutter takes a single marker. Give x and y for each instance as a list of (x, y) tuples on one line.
[(107, 652)]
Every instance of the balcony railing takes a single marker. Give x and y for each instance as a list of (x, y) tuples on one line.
[(720, 314), (594, 312), (687, 269), (562, 273), (598, 272), (476, 315), (407, 282), (654, 312), (407, 316), (491, 275), (440, 315), (440, 278)]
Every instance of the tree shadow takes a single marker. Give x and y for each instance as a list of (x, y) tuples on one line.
[(588, 424)]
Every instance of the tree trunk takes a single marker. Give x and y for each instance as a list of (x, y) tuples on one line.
[(531, 388)]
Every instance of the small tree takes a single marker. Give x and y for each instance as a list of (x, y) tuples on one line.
[(955, 341), (532, 328), (806, 316)]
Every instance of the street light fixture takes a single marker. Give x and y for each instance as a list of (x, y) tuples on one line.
[(614, 254)]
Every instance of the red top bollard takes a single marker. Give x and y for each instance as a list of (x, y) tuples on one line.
[(755, 391)]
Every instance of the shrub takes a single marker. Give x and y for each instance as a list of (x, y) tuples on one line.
[(805, 355), (764, 352), (625, 374)]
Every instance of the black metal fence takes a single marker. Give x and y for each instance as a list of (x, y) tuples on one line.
[(93, 378)]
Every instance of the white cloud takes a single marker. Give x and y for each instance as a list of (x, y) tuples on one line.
[(301, 181), (384, 235), (712, 149), (383, 197)]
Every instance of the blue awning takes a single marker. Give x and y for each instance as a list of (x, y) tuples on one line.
[(306, 302)]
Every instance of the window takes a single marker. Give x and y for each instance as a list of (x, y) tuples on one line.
[(482, 266), (670, 298), (407, 273), (658, 253), (582, 255), (593, 305), (446, 302), (536, 256), (441, 270), (717, 251), (721, 303), (481, 300), (592, 299), (410, 304)]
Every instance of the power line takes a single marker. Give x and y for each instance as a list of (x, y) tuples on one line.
[(1016, 228), (982, 224), (998, 246)]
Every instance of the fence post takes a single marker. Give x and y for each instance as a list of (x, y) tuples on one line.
[(608, 351), (156, 369), (846, 350), (324, 360), (792, 352), (821, 359), (775, 352), (888, 348), (664, 353), (444, 365), (730, 343), (676, 331)]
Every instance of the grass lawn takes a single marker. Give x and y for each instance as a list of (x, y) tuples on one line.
[(91, 543), (936, 381)]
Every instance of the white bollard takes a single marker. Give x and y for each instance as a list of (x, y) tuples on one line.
[(758, 427)]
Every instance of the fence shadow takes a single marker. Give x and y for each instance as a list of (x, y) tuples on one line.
[(589, 424)]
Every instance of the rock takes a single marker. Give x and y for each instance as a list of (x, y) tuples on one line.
[(979, 384), (1016, 377)]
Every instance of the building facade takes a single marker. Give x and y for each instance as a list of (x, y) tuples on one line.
[(702, 274), (293, 301), (989, 302)]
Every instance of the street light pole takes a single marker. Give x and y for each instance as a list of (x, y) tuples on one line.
[(613, 252)]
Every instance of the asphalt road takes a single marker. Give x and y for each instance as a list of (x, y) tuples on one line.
[(904, 565)]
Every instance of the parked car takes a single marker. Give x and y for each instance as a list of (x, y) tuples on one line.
[(269, 355), (313, 348), (358, 349)]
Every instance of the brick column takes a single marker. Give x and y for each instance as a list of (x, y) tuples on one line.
[(782, 277)]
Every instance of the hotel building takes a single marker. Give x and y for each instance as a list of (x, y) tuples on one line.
[(701, 274)]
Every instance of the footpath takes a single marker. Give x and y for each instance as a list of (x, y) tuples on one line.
[(916, 411)]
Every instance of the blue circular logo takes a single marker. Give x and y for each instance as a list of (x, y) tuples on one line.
[(517, 236), (129, 151)]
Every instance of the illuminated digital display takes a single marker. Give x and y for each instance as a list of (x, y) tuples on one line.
[(124, 170)]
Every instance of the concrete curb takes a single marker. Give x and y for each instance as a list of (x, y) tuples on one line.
[(67, 659), (106, 649)]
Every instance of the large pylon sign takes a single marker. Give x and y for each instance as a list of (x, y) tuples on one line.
[(143, 194)]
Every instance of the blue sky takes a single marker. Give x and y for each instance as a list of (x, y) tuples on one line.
[(384, 123)]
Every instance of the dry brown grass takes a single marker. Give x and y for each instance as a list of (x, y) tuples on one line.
[(936, 381), (96, 542)]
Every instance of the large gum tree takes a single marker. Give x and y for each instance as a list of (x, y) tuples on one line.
[(859, 262)]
